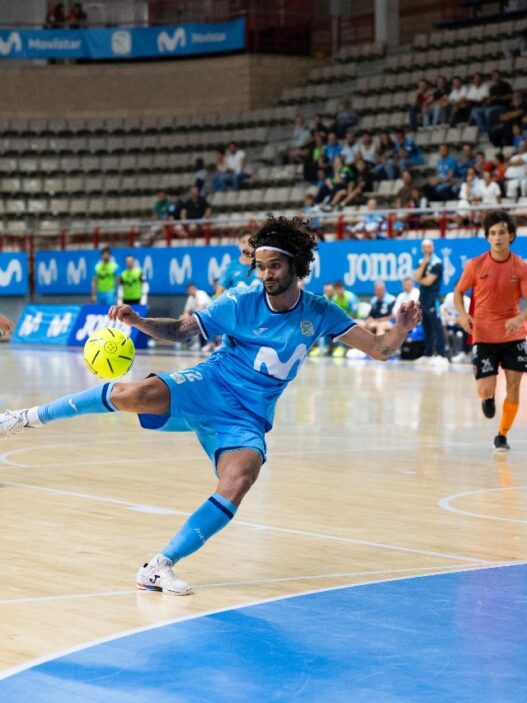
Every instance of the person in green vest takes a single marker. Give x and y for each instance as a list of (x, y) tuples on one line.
[(132, 280), (349, 302), (104, 283)]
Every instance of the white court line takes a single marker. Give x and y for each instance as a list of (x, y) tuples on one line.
[(253, 525), (245, 582), (104, 640), (445, 504)]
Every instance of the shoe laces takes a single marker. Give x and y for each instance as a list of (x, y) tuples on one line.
[(18, 422)]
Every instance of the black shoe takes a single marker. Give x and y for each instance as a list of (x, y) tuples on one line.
[(500, 443), (489, 407)]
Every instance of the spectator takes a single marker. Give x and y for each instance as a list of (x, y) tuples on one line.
[(385, 158), (468, 160), (409, 292), (195, 208), (200, 177), (332, 148), (502, 132), (132, 286), (422, 100), (316, 158), (220, 178), (500, 94), (312, 212), (516, 173), (435, 111), (361, 182), (104, 282), (367, 149), (161, 206), (236, 165), (175, 207), (196, 300), (77, 18), (335, 189), (443, 185), (406, 154), (415, 201), (317, 125), (480, 162), (371, 225), (349, 302), (298, 141), (56, 18), (457, 102), (469, 194), (456, 336), (324, 345), (429, 275), (349, 149), (489, 192), (346, 117), (379, 318), (499, 171), (518, 135), (404, 194), (477, 92)]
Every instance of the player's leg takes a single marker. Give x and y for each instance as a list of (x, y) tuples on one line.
[(485, 361), (150, 395), (237, 472), (509, 408)]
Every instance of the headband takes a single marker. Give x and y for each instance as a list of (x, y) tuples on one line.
[(282, 251)]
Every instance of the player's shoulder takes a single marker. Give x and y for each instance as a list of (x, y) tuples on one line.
[(245, 294), (316, 302)]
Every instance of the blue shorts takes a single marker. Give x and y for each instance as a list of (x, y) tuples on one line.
[(200, 403), (106, 297)]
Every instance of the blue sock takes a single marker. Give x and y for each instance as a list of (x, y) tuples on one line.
[(92, 400), (209, 518)]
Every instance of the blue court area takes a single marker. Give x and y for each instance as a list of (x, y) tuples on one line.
[(451, 637)]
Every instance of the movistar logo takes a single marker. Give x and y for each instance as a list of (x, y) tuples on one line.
[(267, 359), (215, 268), (180, 272), (47, 273), (148, 268), (168, 43), (13, 270), (10, 45), (75, 273), (59, 325)]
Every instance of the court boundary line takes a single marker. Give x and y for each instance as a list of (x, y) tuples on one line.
[(253, 525), (444, 504), (8, 673)]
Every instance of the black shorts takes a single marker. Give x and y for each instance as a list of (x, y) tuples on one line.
[(487, 358)]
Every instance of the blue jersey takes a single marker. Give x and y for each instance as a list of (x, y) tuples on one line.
[(262, 349), (237, 274)]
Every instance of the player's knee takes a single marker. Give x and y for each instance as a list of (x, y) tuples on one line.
[(236, 485), (123, 395)]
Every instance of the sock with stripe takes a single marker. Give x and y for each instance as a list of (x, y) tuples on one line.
[(209, 518), (92, 400), (508, 414)]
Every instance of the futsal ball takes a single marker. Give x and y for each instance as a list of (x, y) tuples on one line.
[(109, 353)]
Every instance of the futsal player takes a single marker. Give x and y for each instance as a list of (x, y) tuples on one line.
[(228, 400), (498, 279), (239, 271)]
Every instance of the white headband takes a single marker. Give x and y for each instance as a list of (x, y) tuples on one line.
[(282, 251)]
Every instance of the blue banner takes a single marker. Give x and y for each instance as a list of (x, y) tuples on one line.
[(166, 270), (357, 264), (13, 274), (118, 43), (94, 317), (46, 324)]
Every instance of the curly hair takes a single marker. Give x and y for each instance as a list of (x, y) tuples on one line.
[(292, 235)]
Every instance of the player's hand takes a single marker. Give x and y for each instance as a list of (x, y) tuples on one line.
[(466, 322), (409, 315), (513, 324), (124, 313), (6, 325)]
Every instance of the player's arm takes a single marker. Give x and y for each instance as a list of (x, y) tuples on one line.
[(161, 328), (383, 346), (464, 320), (6, 325)]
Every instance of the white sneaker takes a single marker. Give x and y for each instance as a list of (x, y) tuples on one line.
[(423, 361), (440, 362), (157, 575), (462, 358), (13, 421)]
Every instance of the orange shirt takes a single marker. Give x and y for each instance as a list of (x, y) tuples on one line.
[(497, 287)]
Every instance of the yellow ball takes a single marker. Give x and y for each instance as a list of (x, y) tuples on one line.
[(109, 353)]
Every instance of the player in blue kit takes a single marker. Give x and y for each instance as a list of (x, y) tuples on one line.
[(229, 399), (239, 271)]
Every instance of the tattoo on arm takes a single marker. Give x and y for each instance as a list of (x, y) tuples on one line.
[(170, 330), (383, 349)]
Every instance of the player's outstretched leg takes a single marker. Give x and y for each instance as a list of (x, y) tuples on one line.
[(238, 470), (486, 390), (509, 409), (150, 395)]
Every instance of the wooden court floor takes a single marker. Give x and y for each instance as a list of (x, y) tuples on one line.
[(375, 471)]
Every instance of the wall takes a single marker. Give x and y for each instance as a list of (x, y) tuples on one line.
[(224, 84), (23, 12)]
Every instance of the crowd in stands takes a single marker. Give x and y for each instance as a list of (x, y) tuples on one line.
[(61, 17)]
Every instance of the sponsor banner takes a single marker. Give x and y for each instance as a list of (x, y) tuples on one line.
[(168, 271), (94, 317), (46, 324), (119, 43), (357, 264), (13, 274)]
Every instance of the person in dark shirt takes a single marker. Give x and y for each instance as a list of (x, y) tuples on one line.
[(195, 208), (502, 132), (500, 94), (429, 275), (175, 207)]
